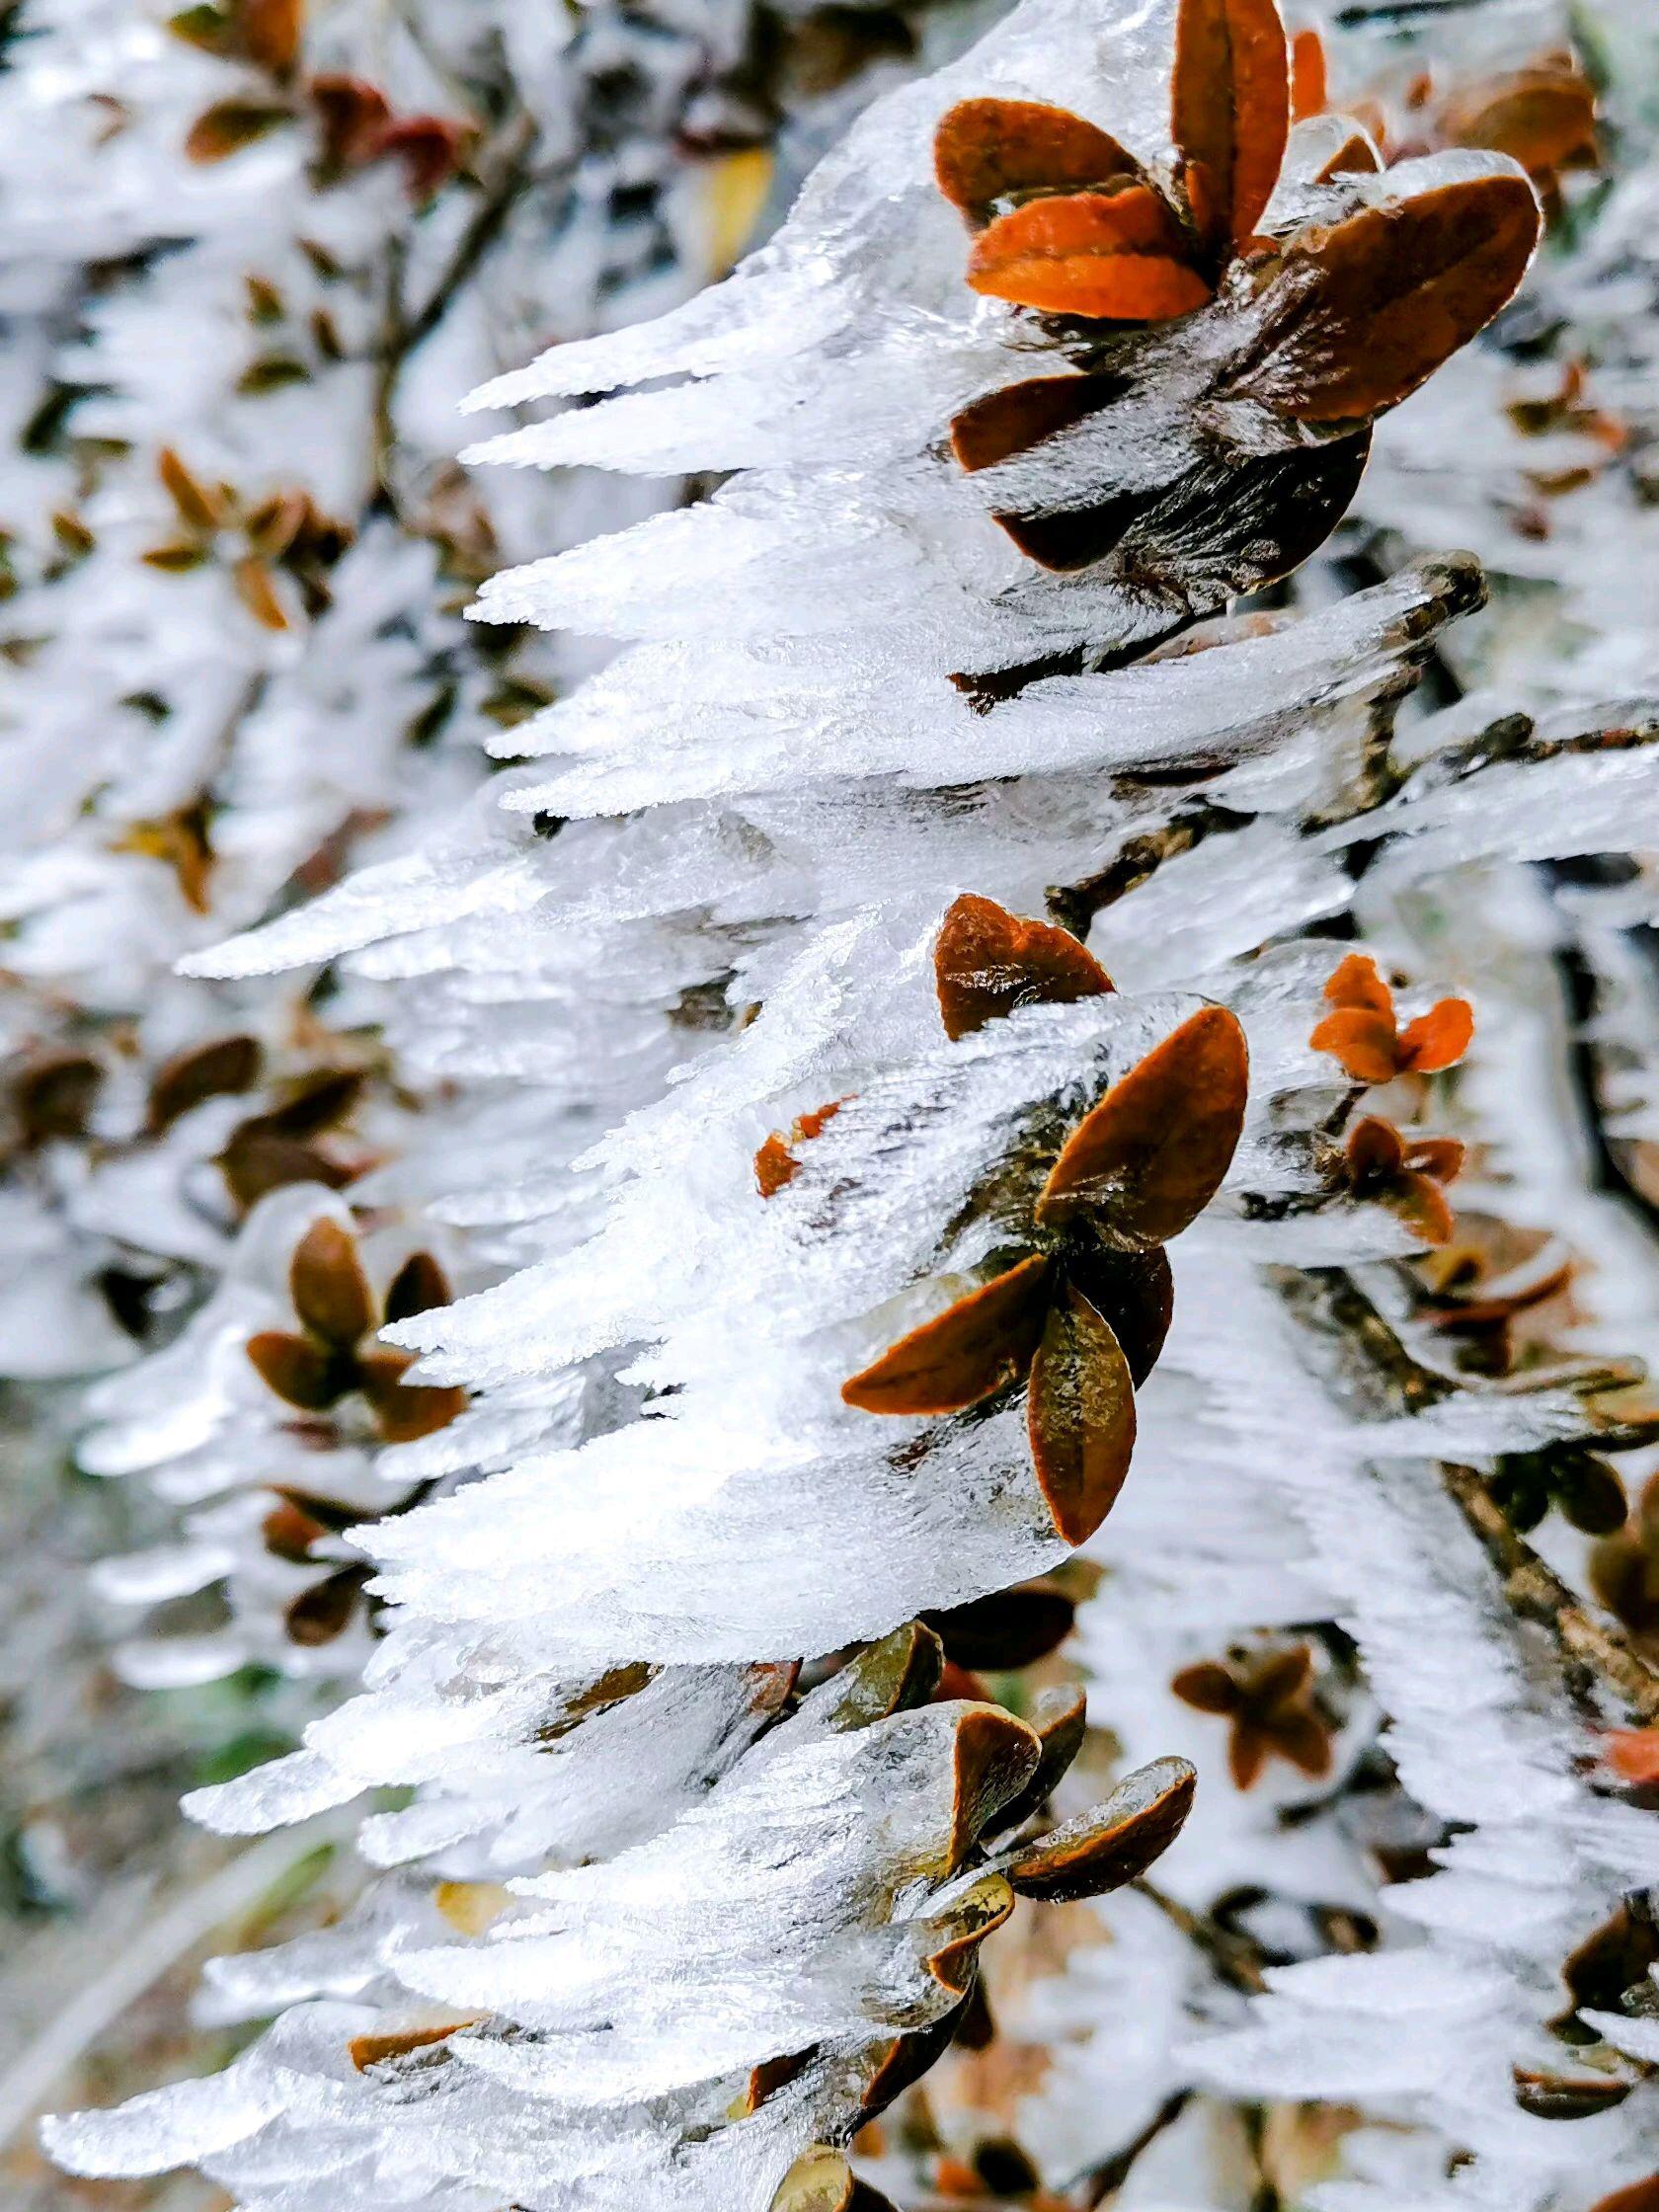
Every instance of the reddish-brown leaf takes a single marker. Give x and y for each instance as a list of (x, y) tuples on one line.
[(1308, 87), (1008, 1628), (994, 1757), (984, 150), (403, 1410), (419, 1285), (1420, 1203), (1437, 1039), (1375, 1151), (1135, 1292), (1371, 307), (53, 1096), (1206, 1687), (222, 1068), (1116, 257), (775, 1163), (1640, 2197), (1231, 104), (352, 115), (288, 1532), (255, 1162), (1059, 1716), (298, 1370), (987, 962), (330, 1290), (322, 1613), (1356, 156), (974, 1347), (1113, 1842), (430, 148), (1080, 1417), (1153, 1153)]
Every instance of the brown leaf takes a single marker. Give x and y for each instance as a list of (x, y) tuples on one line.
[(1059, 1716), (775, 1163), (974, 1347), (964, 1926), (298, 1370), (324, 1611), (53, 1096), (1640, 2197), (352, 115), (429, 149), (1113, 1842), (197, 506), (221, 1069), (330, 1290), (1008, 1628), (1230, 113), (821, 2181), (994, 1757), (1133, 1293), (255, 1162), (987, 962), (230, 125), (1116, 257), (1206, 1687), (316, 1103), (898, 1672), (986, 149), (1153, 1153), (256, 588), (268, 32), (403, 1411), (1372, 306), (418, 1285), (288, 1532), (1420, 1203), (1567, 2097), (1080, 1417)]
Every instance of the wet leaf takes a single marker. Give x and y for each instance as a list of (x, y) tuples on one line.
[(228, 126), (891, 2068), (324, 1611), (899, 1671), (301, 1373), (1008, 1628), (994, 1756), (404, 1411), (987, 962), (1362, 1044), (418, 1285), (330, 1290), (228, 1066), (1103, 256), (974, 1347), (964, 1928), (1371, 307), (1113, 1842), (1133, 1293), (986, 149), (1230, 113), (1080, 1417), (1153, 1153), (775, 1163)]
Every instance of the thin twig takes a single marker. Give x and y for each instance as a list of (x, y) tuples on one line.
[(1235, 1958)]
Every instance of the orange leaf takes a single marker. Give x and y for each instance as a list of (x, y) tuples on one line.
[(1439, 1156), (330, 1290), (962, 1355), (987, 962), (1151, 1154), (1437, 1039), (1355, 155), (1308, 90), (255, 587), (1080, 1416), (1355, 982), (775, 1163), (1231, 108), (268, 32), (984, 150), (1105, 256), (1640, 2197), (1374, 305), (1365, 1044)]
